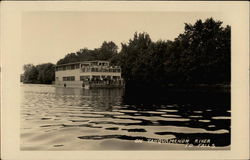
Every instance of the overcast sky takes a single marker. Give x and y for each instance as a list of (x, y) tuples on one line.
[(49, 36)]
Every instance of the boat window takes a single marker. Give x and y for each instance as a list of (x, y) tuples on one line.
[(84, 78), (70, 78)]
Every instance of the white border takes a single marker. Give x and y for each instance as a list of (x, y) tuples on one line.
[(11, 53)]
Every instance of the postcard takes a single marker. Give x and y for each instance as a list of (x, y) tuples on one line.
[(124, 80)]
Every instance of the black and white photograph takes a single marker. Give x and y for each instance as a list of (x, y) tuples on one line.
[(135, 80), (161, 83)]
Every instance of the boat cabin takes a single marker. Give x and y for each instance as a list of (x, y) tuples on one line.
[(92, 74)]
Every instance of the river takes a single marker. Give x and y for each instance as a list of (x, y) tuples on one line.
[(104, 119)]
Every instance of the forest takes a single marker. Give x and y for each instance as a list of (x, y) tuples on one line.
[(199, 55)]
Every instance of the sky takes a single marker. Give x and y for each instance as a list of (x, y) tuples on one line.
[(49, 36)]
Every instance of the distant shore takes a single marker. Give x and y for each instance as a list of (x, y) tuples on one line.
[(178, 88)]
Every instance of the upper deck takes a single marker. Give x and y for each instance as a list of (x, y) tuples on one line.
[(89, 66)]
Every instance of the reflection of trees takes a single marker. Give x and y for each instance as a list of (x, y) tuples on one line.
[(100, 99)]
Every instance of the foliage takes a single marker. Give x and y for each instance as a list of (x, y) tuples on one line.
[(199, 55), (42, 73), (202, 53), (30, 73), (105, 52), (46, 73)]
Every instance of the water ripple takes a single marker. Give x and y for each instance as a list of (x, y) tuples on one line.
[(64, 118)]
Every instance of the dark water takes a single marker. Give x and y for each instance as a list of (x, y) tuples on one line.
[(111, 119)]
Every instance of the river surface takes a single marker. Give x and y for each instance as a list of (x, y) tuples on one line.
[(100, 119)]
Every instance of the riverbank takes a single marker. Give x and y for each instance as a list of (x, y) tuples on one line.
[(197, 88)]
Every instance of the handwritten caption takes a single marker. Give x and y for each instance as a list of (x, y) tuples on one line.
[(187, 142)]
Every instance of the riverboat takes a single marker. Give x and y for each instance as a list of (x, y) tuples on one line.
[(88, 74)]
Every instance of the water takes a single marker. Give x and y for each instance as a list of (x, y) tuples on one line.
[(105, 119)]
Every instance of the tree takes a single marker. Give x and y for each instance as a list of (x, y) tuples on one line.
[(42, 73), (199, 55), (46, 73), (203, 52), (134, 58), (30, 73), (105, 52)]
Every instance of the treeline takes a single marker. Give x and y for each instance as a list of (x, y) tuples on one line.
[(199, 55), (42, 73)]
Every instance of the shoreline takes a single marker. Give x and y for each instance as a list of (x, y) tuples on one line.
[(202, 88), (195, 88)]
